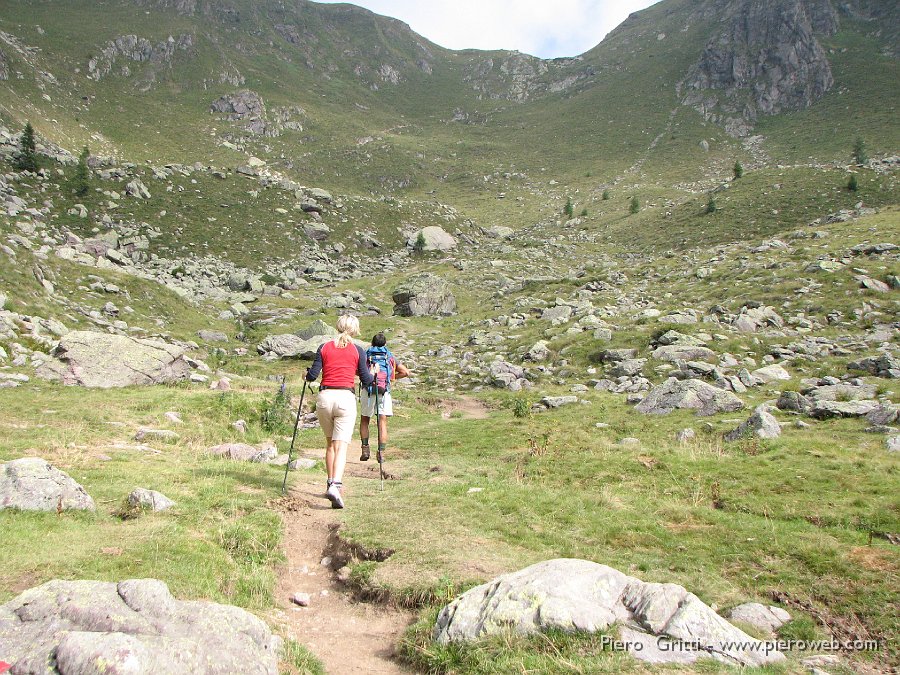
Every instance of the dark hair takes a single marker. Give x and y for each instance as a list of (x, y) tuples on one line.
[(378, 340)]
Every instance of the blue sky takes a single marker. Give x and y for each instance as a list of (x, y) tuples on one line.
[(545, 28)]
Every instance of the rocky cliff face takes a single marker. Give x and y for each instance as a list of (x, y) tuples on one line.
[(137, 50), (4, 67), (519, 77), (765, 61)]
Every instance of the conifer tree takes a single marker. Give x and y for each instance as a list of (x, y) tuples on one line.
[(81, 180), (27, 160), (635, 205)]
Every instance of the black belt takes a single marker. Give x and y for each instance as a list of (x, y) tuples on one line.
[(323, 388)]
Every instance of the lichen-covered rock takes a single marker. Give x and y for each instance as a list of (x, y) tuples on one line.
[(32, 484), (579, 595), (424, 294), (692, 394), (103, 360), (136, 627)]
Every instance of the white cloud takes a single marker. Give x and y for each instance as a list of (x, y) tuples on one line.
[(546, 28)]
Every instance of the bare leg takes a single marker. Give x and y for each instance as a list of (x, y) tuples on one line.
[(364, 427), (338, 460), (383, 429), (329, 458)]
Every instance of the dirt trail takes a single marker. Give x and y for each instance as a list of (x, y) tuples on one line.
[(346, 635)]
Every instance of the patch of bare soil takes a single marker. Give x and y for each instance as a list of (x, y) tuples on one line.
[(348, 636), (467, 407)]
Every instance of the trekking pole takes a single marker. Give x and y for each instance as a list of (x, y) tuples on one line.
[(287, 466), (380, 455)]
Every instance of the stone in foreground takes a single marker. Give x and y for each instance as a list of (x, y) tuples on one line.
[(32, 484), (691, 394), (579, 595), (149, 499), (103, 360), (763, 617), (135, 627)]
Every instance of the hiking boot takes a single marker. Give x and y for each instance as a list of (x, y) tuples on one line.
[(333, 493), (364, 457)]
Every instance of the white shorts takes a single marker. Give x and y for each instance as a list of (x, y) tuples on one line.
[(336, 410), (367, 404)]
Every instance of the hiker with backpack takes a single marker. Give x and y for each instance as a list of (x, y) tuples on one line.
[(340, 362), (385, 369)]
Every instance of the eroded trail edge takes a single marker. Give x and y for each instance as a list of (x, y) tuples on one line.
[(348, 636)]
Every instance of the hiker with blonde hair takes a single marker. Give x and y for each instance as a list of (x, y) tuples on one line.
[(339, 361)]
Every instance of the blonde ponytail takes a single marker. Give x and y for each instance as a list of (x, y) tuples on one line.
[(348, 325)]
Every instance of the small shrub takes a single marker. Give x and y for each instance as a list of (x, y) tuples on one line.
[(521, 408), (635, 205), (606, 195), (275, 412), (569, 209), (584, 212), (853, 183), (711, 206), (738, 170), (860, 156)]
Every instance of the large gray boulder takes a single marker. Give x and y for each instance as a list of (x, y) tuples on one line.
[(32, 484), (579, 595), (317, 329), (753, 319), (692, 394), (102, 360), (825, 409), (507, 375), (557, 315), (134, 627), (682, 353), (423, 294), (886, 365), (761, 424), (436, 239), (290, 346)]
